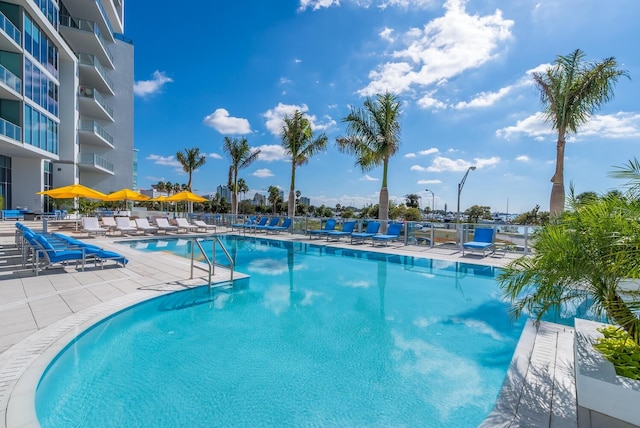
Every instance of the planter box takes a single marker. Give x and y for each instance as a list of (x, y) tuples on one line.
[(604, 398)]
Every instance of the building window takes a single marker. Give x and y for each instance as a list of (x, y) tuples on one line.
[(47, 170), (39, 130), (39, 88), (40, 46)]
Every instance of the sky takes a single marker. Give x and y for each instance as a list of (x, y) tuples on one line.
[(461, 69)]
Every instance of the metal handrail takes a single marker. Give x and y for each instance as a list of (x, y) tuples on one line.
[(210, 263)]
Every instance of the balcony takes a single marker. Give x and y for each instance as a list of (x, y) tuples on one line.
[(115, 13), (93, 162), (93, 134), (93, 104), (93, 74), (91, 10), (85, 36), (10, 130), (10, 85), (9, 35)]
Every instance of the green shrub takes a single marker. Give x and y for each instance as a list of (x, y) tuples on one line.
[(619, 348)]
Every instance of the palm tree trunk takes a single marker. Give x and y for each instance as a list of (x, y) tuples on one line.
[(622, 315), (292, 196), (383, 208), (556, 204)]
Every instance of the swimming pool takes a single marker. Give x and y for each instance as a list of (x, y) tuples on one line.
[(316, 337)]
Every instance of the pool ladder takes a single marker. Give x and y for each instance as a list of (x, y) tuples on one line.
[(211, 265)]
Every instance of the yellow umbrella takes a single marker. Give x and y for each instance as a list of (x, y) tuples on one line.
[(126, 195), (186, 196), (73, 191)]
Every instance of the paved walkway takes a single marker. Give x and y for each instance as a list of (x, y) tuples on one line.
[(40, 315)]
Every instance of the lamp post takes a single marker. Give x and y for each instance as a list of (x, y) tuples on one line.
[(460, 185), (433, 202)]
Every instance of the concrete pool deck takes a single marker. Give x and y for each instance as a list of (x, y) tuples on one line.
[(40, 315)]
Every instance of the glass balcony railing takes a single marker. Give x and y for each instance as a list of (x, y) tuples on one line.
[(10, 79), (93, 126), (91, 60), (87, 92), (95, 160), (8, 27), (85, 25), (10, 130)]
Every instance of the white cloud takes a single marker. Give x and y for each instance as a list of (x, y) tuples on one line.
[(523, 158), (144, 88), (382, 4), (532, 126), (447, 46), (427, 152), (417, 168), (428, 102), (285, 80), (263, 173), (276, 115), (410, 155), (165, 160), (442, 164), (225, 124), (386, 34), (272, 152), (429, 182), (367, 177), (297, 60), (214, 156)]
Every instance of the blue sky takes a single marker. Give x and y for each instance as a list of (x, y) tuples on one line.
[(462, 70)]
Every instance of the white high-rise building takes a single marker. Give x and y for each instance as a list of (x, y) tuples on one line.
[(66, 98)]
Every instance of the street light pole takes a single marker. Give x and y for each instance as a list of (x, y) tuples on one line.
[(460, 185), (433, 202)]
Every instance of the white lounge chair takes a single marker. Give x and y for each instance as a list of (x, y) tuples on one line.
[(91, 226), (143, 225), (123, 224), (202, 225), (109, 223), (183, 224), (163, 224)]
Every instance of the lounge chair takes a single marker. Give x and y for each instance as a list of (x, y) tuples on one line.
[(393, 233), (329, 225), (204, 226), (256, 224), (163, 224), (123, 225), (482, 241), (249, 222), (51, 255), (109, 223), (98, 254), (92, 227), (286, 224), (370, 231), (347, 230), (184, 225), (143, 225), (274, 221)]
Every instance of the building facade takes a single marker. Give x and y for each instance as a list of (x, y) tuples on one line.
[(66, 98)]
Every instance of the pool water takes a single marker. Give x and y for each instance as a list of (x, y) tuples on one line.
[(315, 337)]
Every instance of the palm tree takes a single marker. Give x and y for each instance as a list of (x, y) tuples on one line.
[(274, 197), (243, 187), (571, 91), (241, 156), (299, 144), (583, 256), (373, 136), (191, 159)]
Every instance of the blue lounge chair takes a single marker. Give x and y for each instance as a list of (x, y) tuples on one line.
[(347, 230), (482, 241), (252, 220), (392, 234), (273, 222), (255, 225), (329, 225), (370, 231), (286, 224), (52, 255), (93, 251)]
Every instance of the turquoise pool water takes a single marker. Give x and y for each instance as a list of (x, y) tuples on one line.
[(316, 337)]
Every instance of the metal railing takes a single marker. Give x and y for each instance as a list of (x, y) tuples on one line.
[(10, 130), (211, 263), (88, 26), (95, 160), (7, 26), (10, 79), (91, 60), (87, 92), (93, 126)]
